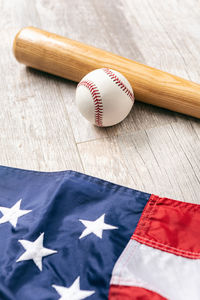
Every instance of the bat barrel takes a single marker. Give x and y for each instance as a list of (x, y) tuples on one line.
[(73, 60)]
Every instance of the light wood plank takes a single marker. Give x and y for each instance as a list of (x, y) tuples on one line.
[(162, 160), (103, 158), (34, 124)]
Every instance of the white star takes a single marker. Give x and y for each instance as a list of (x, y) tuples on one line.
[(12, 214), (95, 227), (73, 292), (35, 251)]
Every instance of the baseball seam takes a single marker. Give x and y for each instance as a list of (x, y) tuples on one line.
[(98, 104), (117, 81)]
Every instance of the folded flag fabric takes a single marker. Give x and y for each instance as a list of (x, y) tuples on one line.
[(163, 254), (67, 235)]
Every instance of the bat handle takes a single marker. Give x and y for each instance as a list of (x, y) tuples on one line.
[(72, 60)]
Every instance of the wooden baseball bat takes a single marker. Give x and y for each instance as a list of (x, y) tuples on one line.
[(73, 60)]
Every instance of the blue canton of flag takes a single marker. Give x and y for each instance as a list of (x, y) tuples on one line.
[(61, 233)]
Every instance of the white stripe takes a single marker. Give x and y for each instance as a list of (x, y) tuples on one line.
[(171, 276)]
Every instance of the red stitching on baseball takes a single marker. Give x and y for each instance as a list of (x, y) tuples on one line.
[(117, 81), (98, 105)]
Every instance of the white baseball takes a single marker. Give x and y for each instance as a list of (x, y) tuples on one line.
[(104, 97)]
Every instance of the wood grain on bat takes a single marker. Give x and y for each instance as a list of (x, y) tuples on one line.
[(73, 60)]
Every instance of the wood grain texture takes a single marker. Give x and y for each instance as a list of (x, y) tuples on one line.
[(162, 160), (153, 150), (73, 60)]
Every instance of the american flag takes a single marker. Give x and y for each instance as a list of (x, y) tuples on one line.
[(67, 235)]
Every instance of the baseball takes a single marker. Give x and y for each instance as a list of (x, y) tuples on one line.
[(104, 97)]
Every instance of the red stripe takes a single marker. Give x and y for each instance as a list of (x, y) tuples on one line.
[(171, 226), (122, 292)]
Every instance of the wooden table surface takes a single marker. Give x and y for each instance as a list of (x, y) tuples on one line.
[(153, 150)]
